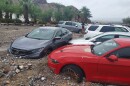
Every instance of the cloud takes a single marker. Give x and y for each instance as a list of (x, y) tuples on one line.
[(102, 10)]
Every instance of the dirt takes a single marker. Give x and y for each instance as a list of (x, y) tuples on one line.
[(33, 72)]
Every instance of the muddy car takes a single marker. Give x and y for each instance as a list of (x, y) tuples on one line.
[(40, 42)]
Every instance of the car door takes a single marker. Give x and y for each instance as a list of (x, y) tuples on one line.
[(58, 42), (75, 27), (116, 71), (68, 25), (104, 38), (65, 35)]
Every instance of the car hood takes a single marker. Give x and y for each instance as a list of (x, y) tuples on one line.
[(72, 51), (81, 41), (28, 43)]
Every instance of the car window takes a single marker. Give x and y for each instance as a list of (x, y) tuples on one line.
[(60, 22), (107, 29), (123, 53), (68, 23), (120, 29), (105, 38), (93, 28), (104, 47), (64, 31), (58, 34), (42, 34), (123, 36), (73, 24)]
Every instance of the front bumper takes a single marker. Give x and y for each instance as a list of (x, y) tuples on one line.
[(28, 56), (54, 67)]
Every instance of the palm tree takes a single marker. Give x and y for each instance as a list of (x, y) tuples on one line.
[(1, 8), (25, 4), (85, 14)]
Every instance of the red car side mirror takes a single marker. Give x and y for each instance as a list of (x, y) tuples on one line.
[(113, 58)]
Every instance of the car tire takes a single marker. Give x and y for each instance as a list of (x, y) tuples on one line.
[(79, 31), (78, 73)]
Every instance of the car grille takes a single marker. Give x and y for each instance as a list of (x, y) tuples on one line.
[(20, 52)]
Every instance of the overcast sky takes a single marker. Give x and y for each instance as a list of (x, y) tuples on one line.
[(101, 10)]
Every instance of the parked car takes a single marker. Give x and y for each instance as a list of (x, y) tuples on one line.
[(40, 41), (108, 62), (100, 38), (70, 25), (94, 30)]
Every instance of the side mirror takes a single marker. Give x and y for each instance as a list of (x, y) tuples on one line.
[(76, 25), (113, 58), (96, 43), (26, 35), (57, 38)]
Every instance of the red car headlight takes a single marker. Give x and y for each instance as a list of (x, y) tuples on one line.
[(54, 61)]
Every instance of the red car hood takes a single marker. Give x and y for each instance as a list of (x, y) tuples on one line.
[(73, 51)]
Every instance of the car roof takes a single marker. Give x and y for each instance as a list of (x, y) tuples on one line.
[(107, 25), (122, 41), (116, 33), (69, 21), (48, 27)]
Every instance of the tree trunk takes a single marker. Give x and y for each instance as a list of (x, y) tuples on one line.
[(10, 16), (1, 15), (6, 15), (35, 19), (17, 16), (26, 14)]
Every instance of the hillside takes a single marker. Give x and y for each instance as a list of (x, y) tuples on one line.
[(44, 5)]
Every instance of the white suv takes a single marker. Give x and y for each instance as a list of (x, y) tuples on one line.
[(94, 30)]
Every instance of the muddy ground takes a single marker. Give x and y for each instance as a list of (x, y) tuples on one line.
[(28, 72)]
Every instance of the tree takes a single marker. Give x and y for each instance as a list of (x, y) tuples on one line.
[(85, 14), (26, 5), (35, 12), (126, 20), (17, 10), (47, 15), (67, 14), (8, 9), (58, 15), (2, 6)]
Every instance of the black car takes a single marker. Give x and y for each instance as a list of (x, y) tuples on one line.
[(40, 42)]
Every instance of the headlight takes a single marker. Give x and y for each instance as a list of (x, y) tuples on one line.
[(54, 61), (37, 50)]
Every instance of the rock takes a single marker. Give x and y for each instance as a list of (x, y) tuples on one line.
[(17, 71), (21, 67), (31, 82), (43, 78), (10, 74), (53, 83), (7, 54), (29, 66), (1, 74), (67, 78), (5, 83)]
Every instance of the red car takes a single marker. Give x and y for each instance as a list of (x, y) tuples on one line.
[(108, 62)]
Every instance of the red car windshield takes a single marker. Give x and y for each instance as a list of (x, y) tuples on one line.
[(104, 47)]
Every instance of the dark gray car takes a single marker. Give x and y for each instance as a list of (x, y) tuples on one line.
[(39, 42)]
